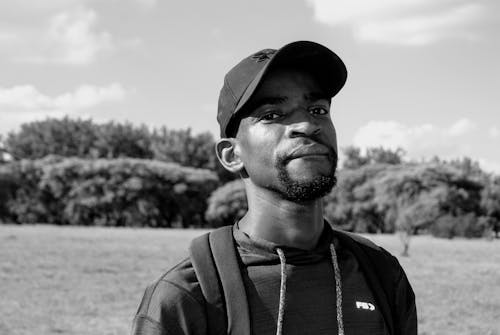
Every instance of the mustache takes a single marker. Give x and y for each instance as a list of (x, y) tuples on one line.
[(309, 148)]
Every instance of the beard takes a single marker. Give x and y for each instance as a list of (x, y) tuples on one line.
[(303, 191)]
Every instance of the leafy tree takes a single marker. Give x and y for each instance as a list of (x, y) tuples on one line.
[(468, 225), (116, 140), (65, 137), (410, 198), (455, 193), (78, 138), (382, 155), (490, 202), (465, 166), (351, 204), (354, 159), (182, 147), (434, 196), (420, 213)]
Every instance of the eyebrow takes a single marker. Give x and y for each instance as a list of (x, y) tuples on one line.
[(315, 96), (268, 101)]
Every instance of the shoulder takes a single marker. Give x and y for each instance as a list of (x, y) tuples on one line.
[(173, 297), (374, 252), (178, 283), (357, 238), (184, 278)]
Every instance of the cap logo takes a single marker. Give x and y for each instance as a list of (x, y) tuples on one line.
[(263, 55)]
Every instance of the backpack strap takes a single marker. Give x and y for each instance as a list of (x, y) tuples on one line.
[(376, 267), (215, 261), (206, 273)]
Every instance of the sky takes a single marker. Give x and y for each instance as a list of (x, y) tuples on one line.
[(424, 75)]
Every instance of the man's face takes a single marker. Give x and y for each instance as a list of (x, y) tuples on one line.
[(287, 142)]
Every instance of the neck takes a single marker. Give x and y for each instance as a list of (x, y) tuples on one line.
[(281, 221)]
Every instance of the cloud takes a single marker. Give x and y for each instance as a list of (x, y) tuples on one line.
[(406, 22), (419, 141), (349, 11), (489, 165), (27, 97), (70, 38), (461, 127), (7, 36), (494, 132), (45, 6), (147, 3), (21, 104), (427, 140)]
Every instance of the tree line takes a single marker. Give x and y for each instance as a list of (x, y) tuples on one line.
[(77, 172)]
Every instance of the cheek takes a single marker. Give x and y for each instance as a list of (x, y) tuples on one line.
[(258, 155), (332, 137)]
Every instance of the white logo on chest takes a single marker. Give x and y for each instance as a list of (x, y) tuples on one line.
[(365, 305)]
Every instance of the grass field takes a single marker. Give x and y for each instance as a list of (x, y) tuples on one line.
[(72, 280)]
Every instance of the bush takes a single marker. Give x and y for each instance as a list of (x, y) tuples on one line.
[(24, 201), (118, 192), (490, 203), (469, 225), (227, 204), (129, 192), (8, 188)]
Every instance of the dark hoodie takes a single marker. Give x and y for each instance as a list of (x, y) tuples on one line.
[(289, 291)]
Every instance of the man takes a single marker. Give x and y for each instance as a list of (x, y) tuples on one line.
[(300, 276)]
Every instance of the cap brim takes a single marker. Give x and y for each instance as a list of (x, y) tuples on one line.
[(308, 55)]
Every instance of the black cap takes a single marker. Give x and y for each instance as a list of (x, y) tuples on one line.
[(243, 79)]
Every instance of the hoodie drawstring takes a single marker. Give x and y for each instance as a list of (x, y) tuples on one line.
[(338, 291), (281, 308)]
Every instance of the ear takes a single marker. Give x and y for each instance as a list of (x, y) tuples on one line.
[(228, 154)]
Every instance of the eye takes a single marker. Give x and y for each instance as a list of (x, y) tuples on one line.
[(319, 110), (270, 116)]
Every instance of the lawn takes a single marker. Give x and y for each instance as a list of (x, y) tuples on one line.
[(76, 280)]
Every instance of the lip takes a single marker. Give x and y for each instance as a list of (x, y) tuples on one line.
[(309, 151), (310, 156)]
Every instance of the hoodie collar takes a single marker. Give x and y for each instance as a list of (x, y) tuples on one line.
[(256, 250)]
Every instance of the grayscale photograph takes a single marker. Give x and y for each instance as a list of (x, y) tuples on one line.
[(308, 167)]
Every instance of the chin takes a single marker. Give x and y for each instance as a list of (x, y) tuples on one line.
[(305, 180), (303, 190), (309, 169)]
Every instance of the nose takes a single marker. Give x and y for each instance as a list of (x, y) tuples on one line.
[(303, 124)]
